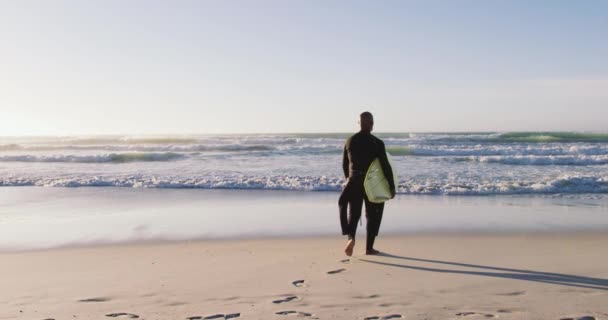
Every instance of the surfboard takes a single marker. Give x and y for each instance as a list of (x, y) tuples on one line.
[(375, 183)]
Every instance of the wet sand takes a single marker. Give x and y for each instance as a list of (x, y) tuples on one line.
[(38, 218)]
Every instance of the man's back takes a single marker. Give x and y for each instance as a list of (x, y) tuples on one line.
[(360, 150)]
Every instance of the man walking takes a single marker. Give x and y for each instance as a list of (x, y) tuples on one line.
[(359, 152)]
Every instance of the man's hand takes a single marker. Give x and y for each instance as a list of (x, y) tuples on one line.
[(393, 192), (345, 182)]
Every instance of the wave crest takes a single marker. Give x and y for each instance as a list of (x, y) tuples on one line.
[(540, 160), (553, 137), (560, 185), (105, 158)]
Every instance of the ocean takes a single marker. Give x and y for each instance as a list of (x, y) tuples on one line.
[(76, 190), (455, 164)]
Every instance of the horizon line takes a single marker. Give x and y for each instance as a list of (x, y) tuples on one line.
[(301, 132)]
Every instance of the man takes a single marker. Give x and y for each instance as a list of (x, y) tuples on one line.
[(359, 152)]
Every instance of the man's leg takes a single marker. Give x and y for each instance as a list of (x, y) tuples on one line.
[(373, 213), (343, 207), (355, 204)]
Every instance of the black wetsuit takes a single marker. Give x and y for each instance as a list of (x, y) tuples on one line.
[(359, 152)]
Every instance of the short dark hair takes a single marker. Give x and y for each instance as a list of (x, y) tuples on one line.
[(366, 115)]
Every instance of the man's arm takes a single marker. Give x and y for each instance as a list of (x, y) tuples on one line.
[(386, 167), (345, 162)]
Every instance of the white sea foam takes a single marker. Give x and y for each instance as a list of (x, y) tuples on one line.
[(561, 185), (506, 150), (98, 158), (305, 147), (541, 160)]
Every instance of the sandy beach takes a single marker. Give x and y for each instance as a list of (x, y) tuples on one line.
[(432, 276)]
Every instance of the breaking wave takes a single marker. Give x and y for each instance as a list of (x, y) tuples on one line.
[(553, 137), (561, 185), (102, 158), (541, 160)]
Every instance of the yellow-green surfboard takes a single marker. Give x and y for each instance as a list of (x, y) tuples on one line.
[(375, 184)]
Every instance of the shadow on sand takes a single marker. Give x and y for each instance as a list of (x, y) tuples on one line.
[(507, 273)]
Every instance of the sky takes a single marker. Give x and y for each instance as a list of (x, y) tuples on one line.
[(181, 67)]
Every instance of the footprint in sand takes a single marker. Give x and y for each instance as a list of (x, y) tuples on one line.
[(580, 318), (486, 315), (387, 317), (292, 312), (286, 299), (97, 299), (122, 314), (345, 261), (216, 316), (336, 271), (298, 283), (514, 293)]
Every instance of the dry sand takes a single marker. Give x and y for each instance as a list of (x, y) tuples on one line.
[(447, 276)]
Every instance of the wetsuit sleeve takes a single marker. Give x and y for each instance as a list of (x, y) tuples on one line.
[(386, 166), (345, 162)]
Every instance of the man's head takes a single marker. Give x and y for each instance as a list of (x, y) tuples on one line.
[(366, 120)]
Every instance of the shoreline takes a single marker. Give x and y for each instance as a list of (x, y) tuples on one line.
[(601, 194), (34, 218)]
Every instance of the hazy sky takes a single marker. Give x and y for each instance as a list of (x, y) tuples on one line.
[(134, 67)]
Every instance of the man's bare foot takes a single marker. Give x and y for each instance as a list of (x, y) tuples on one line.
[(350, 246), (371, 252)]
